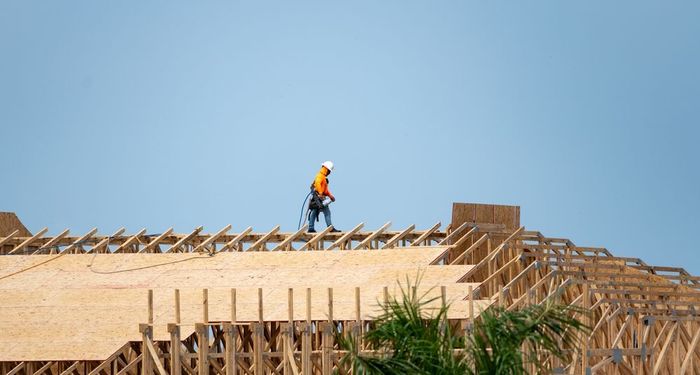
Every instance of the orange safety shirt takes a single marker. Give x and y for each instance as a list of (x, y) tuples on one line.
[(321, 183)]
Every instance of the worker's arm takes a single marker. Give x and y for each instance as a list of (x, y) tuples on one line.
[(328, 192)]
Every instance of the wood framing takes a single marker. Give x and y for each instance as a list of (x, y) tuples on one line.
[(268, 302)]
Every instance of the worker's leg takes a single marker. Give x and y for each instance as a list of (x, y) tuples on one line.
[(327, 215), (312, 219)]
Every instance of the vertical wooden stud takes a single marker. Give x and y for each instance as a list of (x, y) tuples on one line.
[(358, 314), (177, 306), (233, 306), (175, 366), (330, 305), (205, 305), (231, 359), (202, 331), (260, 305), (150, 306)]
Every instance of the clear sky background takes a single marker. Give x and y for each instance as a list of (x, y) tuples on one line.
[(185, 113)]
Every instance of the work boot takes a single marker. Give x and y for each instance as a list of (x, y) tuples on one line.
[(312, 230), (335, 230)]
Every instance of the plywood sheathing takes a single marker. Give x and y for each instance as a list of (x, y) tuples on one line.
[(487, 218), (90, 305), (10, 226), (9, 222)]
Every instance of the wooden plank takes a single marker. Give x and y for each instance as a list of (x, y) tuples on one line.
[(130, 241), (183, 240), (52, 242), (69, 370), (258, 337), (105, 241), (367, 242), (453, 234), (9, 237), (17, 369), (127, 368), (107, 362), (471, 248), (346, 236), (427, 234), (175, 344), (151, 245), (261, 242), (202, 331), (230, 349), (690, 352), (79, 241), (288, 241), (26, 242), (660, 361), (231, 244), (154, 357), (390, 244), (43, 368), (203, 246), (315, 239)]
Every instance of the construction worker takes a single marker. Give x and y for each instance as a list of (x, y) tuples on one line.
[(321, 197)]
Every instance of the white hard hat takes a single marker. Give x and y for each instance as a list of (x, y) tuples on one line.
[(328, 164)]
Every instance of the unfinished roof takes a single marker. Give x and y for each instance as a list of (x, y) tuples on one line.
[(91, 305), (81, 297)]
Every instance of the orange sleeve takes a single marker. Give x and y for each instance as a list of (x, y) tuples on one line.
[(327, 192)]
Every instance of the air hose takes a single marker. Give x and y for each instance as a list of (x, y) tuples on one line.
[(301, 214)]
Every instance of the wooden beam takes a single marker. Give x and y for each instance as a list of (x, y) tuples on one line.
[(236, 240), (345, 237), (367, 242), (316, 238), (493, 254), (151, 245), (43, 368), (105, 241), (496, 274), (107, 362), (471, 248), (52, 241), (261, 242), (19, 367), (80, 241), (664, 350), (453, 234), (202, 331), (127, 368), (182, 240), (424, 236), (175, 348), (203, 246), (622, 330), (69, 370), (130, 241), (288, 241), (28, 241), (389, 244), (7, 239), (690, 352)]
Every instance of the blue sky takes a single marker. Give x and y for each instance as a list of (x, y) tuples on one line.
[(178, 113)]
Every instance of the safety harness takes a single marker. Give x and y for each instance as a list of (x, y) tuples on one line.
[(316, 202)]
